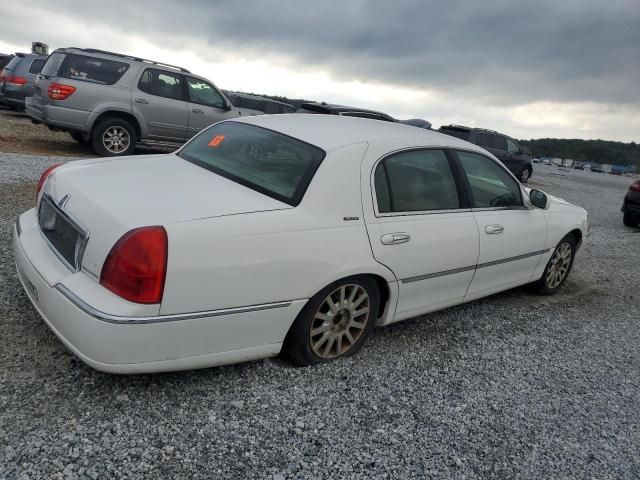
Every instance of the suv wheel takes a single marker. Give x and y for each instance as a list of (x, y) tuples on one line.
[(113, 137), (525, 174), (629, 220)]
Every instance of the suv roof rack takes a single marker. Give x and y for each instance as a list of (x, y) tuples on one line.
[(453, 125), (131, 57)]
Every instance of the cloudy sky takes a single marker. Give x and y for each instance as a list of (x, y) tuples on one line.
[(564, 69)]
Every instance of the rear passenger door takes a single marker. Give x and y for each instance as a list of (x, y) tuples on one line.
[(160, 99), (422, 230), (206, 105)]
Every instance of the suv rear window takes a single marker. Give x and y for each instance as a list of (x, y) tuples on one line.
[(36, 65), (91, 69), (52, 64), (456, 132), (268, 162)]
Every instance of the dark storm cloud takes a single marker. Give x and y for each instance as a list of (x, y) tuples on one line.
[(494, 51)]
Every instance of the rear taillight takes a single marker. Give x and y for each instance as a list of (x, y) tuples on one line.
[(59, 91), (43, 177), (15, 80), (136, 266), (635, 186)]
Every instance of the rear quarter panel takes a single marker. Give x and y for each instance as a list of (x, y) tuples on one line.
[(272, 256)]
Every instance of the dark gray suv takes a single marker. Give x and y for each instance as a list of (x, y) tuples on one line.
[(505, 148), (115, 101), (18, 77)]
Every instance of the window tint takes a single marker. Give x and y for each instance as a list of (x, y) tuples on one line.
[(491, 185), (36, 65), (484, 139), (499, 142), (266, 161), (415, 181), (203, 93), (513, 146), (162, 84), (91, 69)]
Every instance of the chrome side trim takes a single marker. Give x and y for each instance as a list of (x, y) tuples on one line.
[(513, 259), (473, 267), (106, 317), (437, 274)]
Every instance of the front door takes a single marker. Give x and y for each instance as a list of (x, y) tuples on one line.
[(512, 238), (420, 230), (206, 106), (160, 101)]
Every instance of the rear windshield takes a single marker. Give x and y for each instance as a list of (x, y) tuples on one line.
[(456, 132), (92, 69), (265, 161), (36, 65), (12, 63)]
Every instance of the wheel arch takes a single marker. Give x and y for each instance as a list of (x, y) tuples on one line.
[(129, 117), (577, 235)]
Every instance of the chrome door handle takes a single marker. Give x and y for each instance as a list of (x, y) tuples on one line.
[(197, 110), (141, 100), (395, 238), (493, 229)]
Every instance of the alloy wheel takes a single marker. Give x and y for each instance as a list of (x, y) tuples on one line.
[(559, 265), (116, 139), (524, 176), (339, 321)]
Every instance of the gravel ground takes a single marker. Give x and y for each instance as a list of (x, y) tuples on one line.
[(512, 386)]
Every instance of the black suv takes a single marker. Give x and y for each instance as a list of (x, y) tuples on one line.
[(505, 148)]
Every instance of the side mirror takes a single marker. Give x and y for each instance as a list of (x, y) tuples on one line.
[(538, 199)]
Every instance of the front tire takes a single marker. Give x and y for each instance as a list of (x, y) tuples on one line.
[(334, 323), (113, 137), (558, 267)]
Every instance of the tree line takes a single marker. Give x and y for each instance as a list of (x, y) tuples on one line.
[(600, 151)]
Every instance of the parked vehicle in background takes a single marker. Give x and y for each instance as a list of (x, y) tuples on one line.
[(258, 104), (114, 101), (631, 205), (18, 77), (417, 122), (343, 110), (586, 168), (4, 60), (167, 262), (502, 146)]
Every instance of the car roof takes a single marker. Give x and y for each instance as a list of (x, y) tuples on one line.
[(331, 132)]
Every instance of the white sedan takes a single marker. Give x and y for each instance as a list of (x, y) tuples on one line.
[(294, 233)]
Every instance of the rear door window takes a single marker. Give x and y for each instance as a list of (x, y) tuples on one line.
[(413, 181), (92, 69), (513, 146), (162, 84), (204, 93), (36, 65)]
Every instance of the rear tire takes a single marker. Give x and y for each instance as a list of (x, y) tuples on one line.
[(558, 267), (113, 137), (630, 220), (80, 138), (334, 323)]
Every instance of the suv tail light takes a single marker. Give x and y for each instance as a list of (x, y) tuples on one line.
[(136, 266), (635, 186), (15, 80), (59, 91), (43, 177)]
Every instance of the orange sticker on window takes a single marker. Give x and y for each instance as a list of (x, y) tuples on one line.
[(215, 141)]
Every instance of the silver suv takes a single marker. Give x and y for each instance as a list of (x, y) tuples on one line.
[(115, 101)]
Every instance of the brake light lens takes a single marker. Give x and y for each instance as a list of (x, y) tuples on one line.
[(59, 91), (635, 186), (44, 176), (15, 80), (136, 266)]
